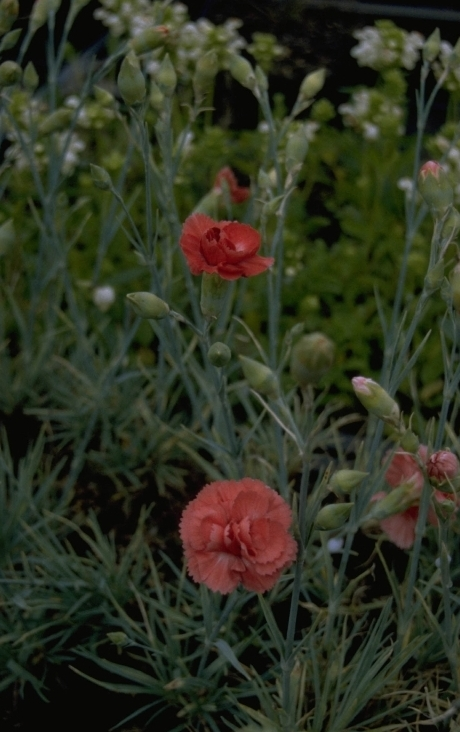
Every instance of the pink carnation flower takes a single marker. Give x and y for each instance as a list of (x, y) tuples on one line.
[(237, 531), (238, 194)]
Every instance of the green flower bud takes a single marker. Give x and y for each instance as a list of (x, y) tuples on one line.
[(410, 442), (56, 121), (311, 85), (260, 377), (333, 516), (205, 73), (312, 356), (104, 97), (455, 287), (118, 637), (9, 10), (435, 276), (242, 71), (376, 400), (148, 305), (219, 354), (10, 40), (10, 73), (344, 481), (30, 78), (149, 39), (130, 80), (397, 501), (156, 97), (432, 46), (435, 187), (261, 78), (166, 77), (7, 236), (296, 149), (213, 292), (40, 12), (101, 177)]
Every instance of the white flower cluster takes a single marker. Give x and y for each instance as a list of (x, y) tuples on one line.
[(91, 114), (185, 41), (446, 58), (386, 46), (373, 114), (37, 153)]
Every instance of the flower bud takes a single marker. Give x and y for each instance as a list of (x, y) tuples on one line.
[(149, 38), (397, 501), (311, 85), (435, 187), (7, 236), (451, 225), (213, 292), (166, 77), (296, 149), (10, 39), (432, 46), (130, 80), (40, 11), (205, 73), (260, 377), (434, 277), (118, 637), (455, 287), (10, 73), (261, 78), (101, 177), (333, 516), (409, 442), (56, 121), (242, 71), (219, 354), (376, 400), (444, 506), (103, 96), (312, 356), (148, 305), (30, 77), (442, 466), (9, 10), (344, 481)]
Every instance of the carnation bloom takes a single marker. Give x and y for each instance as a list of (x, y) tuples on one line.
[(237, 531), (226, 248), (238, 194), (405, 469)]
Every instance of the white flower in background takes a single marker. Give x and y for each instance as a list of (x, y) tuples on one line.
[(406, 185), (384, 46), (103, 297), (373, 114), (452, 81), (335, 545), (371, 131)]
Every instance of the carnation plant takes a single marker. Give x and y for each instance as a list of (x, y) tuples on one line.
[(307, 580)]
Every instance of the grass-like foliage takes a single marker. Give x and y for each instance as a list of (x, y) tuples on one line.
[(231, 496)]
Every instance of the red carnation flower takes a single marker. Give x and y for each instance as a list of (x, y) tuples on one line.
[(238, 194), (237, 531), (226, 248)]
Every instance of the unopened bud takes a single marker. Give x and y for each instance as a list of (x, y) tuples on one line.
[(219, 354), (333, 516), (409, 442), (166, 77), (296, 149), (40, 11), (260, 377), (30, 77), (118, 637), (442, 466), (205, 73), (101, 177), (376, 400), (312, 356), (10, 73), (56, 121), (435, 187), (444, 506), (103, 96), (10, 40), (434, 277), (148, 305), (149, 38), (261, 78), (311, 85), (397, 501), (344, 481), (130, 80), (242, 71), (7, 236), (9, 10), (432, 46), (451, 225), (156, 97)]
